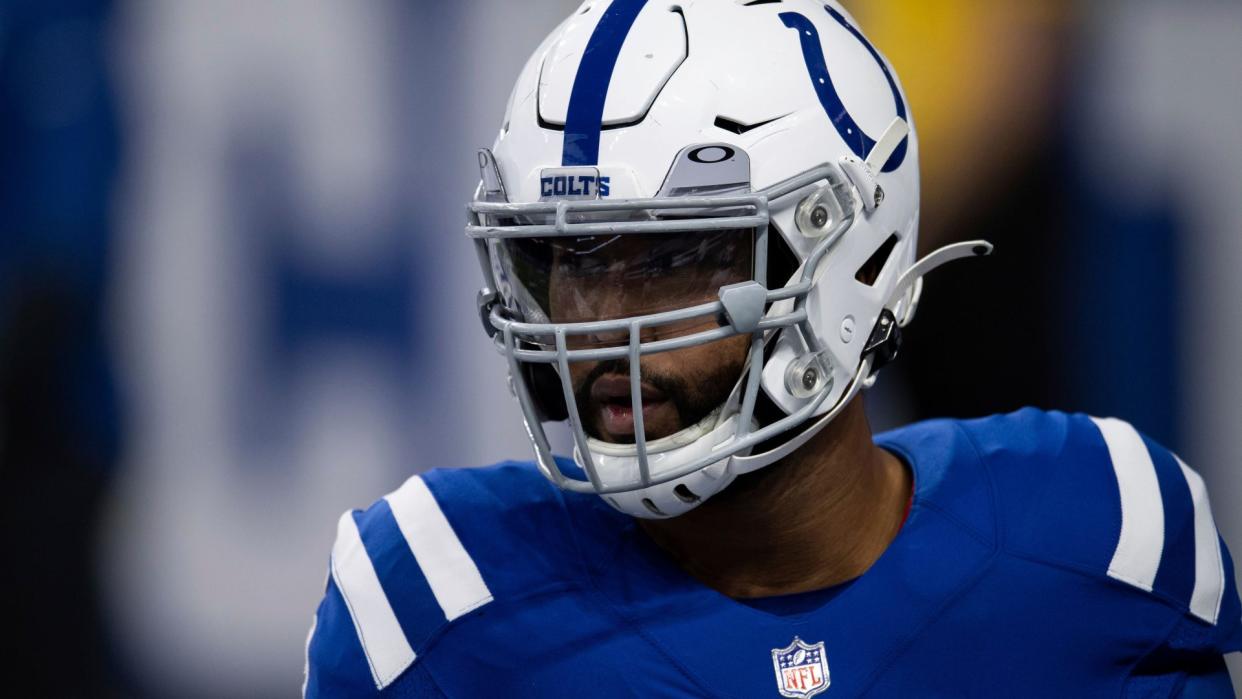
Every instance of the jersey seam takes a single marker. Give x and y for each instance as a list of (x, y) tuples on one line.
[(1052, 561), (556, 588), (580, 558), (688, 674), (380, 683), (1072, 568), (868, 682), (993, 496), (1160, 641), (592, 591), (991, 542), (1007, 548), (431, 678), (969, 529), (482, 601), (425, 647), (599, 599), (994, 549), (918, 502), (1078, 569)]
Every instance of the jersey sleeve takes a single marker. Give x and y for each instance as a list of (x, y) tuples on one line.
[(398, 577), (1098, 497), (336, 665), (1168, 544)]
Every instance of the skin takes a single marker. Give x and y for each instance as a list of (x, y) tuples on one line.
[(678, 388), (818, 518)]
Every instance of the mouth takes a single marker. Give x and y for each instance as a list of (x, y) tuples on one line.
[(615, 410)]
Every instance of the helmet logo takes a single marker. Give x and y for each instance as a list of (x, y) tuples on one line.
[(710, 154), (572, 183), (813, 53)]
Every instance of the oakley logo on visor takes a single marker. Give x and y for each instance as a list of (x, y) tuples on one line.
[(710, 154), (572, 183)]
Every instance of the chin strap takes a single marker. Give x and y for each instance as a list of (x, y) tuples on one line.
[(746, 464), (913, 278)]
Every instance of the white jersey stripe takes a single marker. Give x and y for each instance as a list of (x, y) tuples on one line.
[(451, 574), (1209, 568), (1140, 544), (384, 643), (306, 657)]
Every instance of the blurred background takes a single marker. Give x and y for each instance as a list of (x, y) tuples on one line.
[(235, 299)]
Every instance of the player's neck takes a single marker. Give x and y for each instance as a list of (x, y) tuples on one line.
[(817, 518)]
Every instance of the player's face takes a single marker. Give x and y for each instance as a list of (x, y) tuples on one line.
[(626, 276)]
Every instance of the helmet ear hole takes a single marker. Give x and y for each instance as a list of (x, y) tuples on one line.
[(870, 270)]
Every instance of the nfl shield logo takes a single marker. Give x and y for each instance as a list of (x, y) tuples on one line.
[(801, 668)]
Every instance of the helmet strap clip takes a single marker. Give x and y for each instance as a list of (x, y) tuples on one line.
[(885, 341), (865, 173)]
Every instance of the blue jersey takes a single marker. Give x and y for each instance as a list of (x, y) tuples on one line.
[(1045, 555)]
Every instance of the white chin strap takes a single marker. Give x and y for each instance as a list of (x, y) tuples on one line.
[(665, 445), (746, 464), (912, 278), (618, 463)]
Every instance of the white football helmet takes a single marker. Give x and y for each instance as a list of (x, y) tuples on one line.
[(689, 122)]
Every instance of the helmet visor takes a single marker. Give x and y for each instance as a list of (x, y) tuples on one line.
[(577, 279)]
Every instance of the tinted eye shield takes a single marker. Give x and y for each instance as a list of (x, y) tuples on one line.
[(603, 277), (739, 308)]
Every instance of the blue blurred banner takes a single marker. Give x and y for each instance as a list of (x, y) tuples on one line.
[(60, 422), (294, 305)]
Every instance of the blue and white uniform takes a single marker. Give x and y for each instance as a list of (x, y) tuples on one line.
[(1045, 555)]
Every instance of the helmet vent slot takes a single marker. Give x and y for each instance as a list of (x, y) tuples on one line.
[(651, 506), (782, 261), (684, 494), (752, 3), (737, 127), (870, 270)]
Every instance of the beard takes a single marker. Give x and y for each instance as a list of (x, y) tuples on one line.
[(693, 398)]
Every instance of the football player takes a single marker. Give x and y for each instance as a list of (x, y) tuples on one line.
[(697, 231)]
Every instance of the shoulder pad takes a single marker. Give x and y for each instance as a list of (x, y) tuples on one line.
[(436, 549), (403, 575), (335, 663), (1095, 495)]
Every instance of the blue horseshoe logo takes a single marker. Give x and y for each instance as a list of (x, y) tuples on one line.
[(813, 54)]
